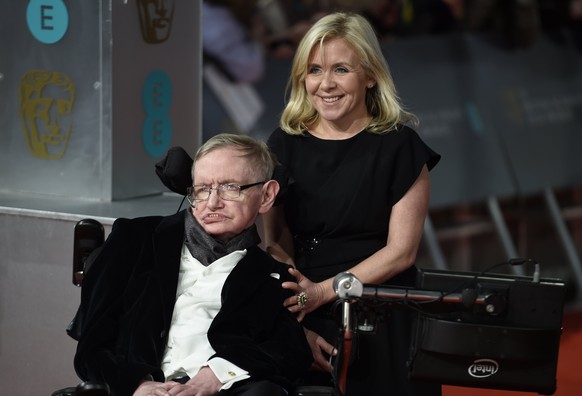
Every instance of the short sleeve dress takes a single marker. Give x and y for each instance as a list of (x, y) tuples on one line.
[(337, 197), (340, 193)]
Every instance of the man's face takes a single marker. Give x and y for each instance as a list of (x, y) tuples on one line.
[(46, 102), (224, 219)]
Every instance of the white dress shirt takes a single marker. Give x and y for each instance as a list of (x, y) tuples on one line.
[(198, 300)]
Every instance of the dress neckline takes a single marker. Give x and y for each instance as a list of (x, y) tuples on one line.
[(351, 138)]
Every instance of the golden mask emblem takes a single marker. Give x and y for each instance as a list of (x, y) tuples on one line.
[(46, 104)]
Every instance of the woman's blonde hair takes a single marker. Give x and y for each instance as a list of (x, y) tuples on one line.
[(382, 100)]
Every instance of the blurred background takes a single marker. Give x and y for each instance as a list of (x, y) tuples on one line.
[(497, 88)]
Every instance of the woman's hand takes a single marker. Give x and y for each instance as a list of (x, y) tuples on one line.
[(307, 297), (321, 351)]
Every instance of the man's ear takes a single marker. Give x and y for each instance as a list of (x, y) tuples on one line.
[(270, 190)]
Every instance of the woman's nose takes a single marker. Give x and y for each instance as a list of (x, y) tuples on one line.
[(328, 80)]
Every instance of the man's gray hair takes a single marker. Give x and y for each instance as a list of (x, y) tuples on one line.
[(261, 159)]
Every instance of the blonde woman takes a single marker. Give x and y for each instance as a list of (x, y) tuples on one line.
[(356, 198)]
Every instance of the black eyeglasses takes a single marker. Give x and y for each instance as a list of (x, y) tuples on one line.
[(226, 191)]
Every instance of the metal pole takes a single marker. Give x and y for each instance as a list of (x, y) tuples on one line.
[(565, 238), (504, 235)]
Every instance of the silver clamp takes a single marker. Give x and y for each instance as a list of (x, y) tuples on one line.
[(347, 286)]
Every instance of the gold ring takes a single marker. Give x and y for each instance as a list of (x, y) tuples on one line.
[(301, 299)]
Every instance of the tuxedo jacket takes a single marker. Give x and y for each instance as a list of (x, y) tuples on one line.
[(128, 297)]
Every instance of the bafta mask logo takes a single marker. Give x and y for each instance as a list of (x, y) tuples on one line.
[(155, 19), (46, 104)]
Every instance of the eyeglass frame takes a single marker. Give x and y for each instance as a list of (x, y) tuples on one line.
[(242, 187)]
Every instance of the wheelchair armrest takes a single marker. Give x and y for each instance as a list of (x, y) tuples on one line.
[(84, 389), (70, 391), (89, 235), (314, 390)]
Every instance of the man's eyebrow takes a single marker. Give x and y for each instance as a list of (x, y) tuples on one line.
[(228, 181)]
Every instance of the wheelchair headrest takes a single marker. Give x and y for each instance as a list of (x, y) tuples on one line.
[(175, 170)]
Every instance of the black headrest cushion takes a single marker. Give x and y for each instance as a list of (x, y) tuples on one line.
[(175, 170)]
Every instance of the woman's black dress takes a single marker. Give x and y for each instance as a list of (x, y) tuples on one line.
[(337, 196)]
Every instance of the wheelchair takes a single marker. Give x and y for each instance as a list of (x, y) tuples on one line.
[(470, 329), (89, 236)]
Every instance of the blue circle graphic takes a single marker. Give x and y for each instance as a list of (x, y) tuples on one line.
[(47, 20)]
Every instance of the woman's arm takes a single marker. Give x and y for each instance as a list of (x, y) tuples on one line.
[(276, 236), (405, 233), (406, 228)]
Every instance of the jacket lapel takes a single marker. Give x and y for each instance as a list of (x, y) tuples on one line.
[(246, 277), (167, 242)]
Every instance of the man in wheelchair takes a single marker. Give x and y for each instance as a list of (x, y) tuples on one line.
[(189, 304)]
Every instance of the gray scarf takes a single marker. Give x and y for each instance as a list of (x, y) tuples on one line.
[(207, 249)]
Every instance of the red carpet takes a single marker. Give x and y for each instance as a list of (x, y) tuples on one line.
[(569, 376)]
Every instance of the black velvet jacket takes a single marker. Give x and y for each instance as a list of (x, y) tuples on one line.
[(128, 297)]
